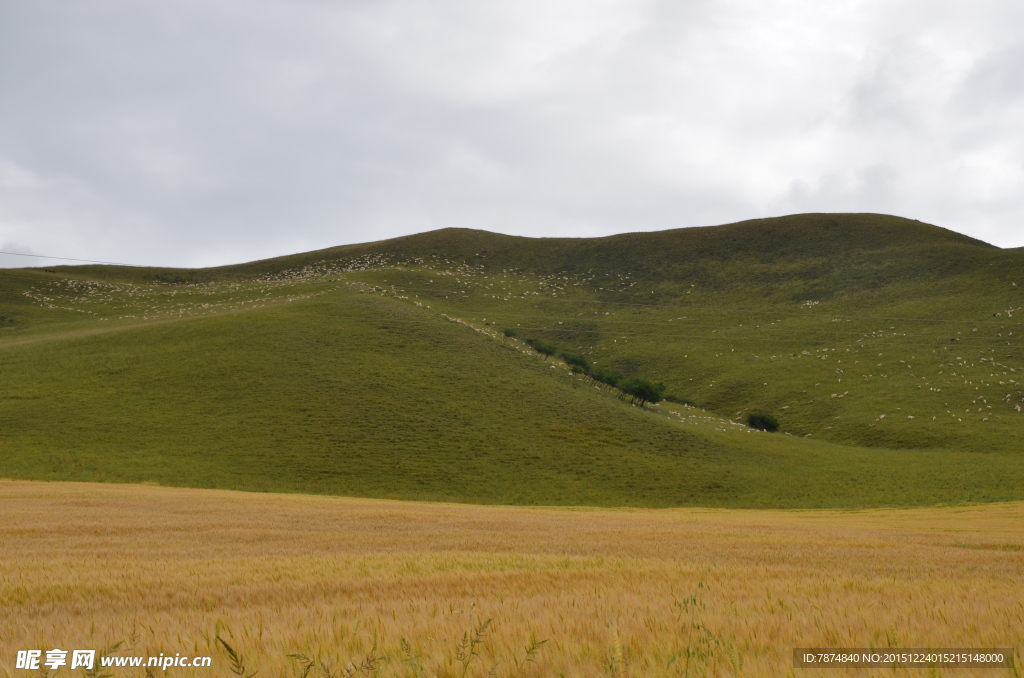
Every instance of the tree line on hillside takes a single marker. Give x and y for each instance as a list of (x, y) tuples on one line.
[(639, 391)]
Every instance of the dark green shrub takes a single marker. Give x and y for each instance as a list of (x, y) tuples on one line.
[(642, 390), (575, 361), (610, 377), (542, 347), (762, 421)]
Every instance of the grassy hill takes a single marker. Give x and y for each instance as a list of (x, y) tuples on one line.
[(888, 349)]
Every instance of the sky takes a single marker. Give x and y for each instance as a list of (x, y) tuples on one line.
[(197, 133)]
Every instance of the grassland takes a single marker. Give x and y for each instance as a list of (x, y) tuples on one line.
[(888, 349), (613, 592)]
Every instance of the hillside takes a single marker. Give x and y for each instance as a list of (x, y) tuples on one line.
[(888, 349)]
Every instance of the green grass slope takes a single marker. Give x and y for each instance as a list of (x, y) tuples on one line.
[(380, 369)]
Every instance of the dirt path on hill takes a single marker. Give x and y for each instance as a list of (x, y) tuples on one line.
[(76, 334)]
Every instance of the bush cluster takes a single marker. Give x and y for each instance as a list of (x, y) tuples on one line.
[(545, 349), (638, 390), (762, 421)]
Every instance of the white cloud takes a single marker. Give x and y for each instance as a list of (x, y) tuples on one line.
[(195, 133)]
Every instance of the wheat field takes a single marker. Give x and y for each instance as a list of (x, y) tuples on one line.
[(337, 587)]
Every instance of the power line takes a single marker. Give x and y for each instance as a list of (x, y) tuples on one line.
[(568, 320), (594, 301), (614, 332), (628, 334), (695, 308), (689, 309), (88, 261), (770, 327)]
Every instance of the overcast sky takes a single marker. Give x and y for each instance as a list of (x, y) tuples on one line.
[(190, 132)]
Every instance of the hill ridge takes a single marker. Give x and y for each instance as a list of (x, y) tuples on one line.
[(791, 230), (401, 368)]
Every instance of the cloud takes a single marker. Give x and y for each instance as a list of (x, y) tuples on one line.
[(845, 192), (193, 133)]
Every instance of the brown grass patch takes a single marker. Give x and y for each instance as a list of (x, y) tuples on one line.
[(613, 592)]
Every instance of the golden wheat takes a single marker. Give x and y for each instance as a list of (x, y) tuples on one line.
[(355, 586)]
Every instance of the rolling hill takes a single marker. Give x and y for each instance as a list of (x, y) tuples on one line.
[(888, 349)]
